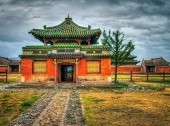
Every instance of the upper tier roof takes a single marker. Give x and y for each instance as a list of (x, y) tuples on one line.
[(156, 62), (67, 29)]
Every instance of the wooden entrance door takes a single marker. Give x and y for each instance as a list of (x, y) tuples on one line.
[(66, 73)]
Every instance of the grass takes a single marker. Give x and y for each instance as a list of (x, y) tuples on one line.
[(129, 108), (122, 87), (12, 78), (13, 103), (94, 100), (142, 77), (28, 102), (154, 83)]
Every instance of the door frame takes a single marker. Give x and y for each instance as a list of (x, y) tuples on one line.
[(59, 72)]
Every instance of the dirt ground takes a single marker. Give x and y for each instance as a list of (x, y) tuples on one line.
[(126, 109)]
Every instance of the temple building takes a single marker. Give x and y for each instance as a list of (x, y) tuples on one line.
[(9, 65), (69, 53), (131, 61), (155, 65)]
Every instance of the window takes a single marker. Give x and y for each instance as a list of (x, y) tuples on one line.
[(36, 51), (94, 51), (98, 51), (84, 43), (93, 66), (39, 67), (90, 51)]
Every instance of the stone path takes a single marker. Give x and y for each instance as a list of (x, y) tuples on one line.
[(52, 115), (60, 107), (74, 115), (5, 86)]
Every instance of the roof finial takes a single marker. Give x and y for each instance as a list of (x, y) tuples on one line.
[(68, 19)]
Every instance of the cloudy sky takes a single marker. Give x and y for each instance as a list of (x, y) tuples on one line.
[(147, 22)]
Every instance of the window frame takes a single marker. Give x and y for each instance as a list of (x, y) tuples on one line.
[(93, 72), (34, 65)]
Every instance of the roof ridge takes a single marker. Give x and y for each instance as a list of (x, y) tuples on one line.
[(66, 22)]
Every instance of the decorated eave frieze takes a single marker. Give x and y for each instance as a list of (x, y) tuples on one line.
[(63, 55), (66, 55), (81, 47), (97, 56), (92, 47)]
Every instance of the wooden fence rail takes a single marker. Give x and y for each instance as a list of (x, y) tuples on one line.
[(163, 76), (4, 74)]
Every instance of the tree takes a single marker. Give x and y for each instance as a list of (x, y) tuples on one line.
[(119, 50)]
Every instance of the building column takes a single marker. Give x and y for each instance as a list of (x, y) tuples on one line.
[(8, 69), (19, 69), (155, 69), (55, 72), (76, 71), (88, 42)]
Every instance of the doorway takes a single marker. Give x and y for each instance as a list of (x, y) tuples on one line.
[(67, 73)]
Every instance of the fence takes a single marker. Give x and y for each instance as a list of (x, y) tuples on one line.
[(150, 77), (4, 73)]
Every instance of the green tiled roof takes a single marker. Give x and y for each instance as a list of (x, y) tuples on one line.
[(131, 57), (97, 55), (89, 47), (131, 61), (57, 46), (33, 56), (67, 29)]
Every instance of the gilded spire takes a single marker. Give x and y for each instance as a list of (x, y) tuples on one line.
[(68, 19)]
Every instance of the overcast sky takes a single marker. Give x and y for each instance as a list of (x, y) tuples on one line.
[(147, 22)]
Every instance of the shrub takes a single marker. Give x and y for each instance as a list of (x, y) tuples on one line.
[(29, 102)]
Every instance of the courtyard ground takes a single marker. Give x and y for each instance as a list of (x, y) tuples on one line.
[(126, 109), (127, 104)]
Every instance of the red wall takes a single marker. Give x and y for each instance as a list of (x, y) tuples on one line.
[(163, 69), (27, 70), (105, 67), (127, 69), (3, 68), (50, 68), (82, 67)]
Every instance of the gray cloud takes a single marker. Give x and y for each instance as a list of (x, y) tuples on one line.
[(145, 21)]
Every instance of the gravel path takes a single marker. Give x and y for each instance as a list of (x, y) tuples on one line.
[(52, 115), (61, 107), (28, 118), (74, 115)]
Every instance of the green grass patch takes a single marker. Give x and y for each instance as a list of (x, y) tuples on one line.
[(7, 110), (94, 100), (28, 102)]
